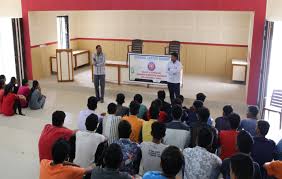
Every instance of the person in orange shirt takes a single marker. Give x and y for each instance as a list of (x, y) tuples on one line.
[(59, 168), (135, 122), (274, 169)]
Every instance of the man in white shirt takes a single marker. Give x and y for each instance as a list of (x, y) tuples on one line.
[(174, 72), (92, 106), (152, 151), (87, 142)]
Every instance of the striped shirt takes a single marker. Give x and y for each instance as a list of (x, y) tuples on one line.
[(110, 127), (99, 63)]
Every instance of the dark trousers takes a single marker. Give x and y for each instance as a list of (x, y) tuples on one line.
[(17, 105), (174, 90), (99, 83)]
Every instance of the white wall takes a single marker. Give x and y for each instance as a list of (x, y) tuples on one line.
[(274, 10), (11, 8)]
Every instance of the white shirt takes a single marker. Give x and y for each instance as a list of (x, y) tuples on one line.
[(173, 71), (99, 62), (110, 127), (86, 145), (82, 118)]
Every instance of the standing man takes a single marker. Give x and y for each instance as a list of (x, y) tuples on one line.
[(173, 70), (99, 61)]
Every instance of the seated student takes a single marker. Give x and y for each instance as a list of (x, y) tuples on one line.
[(151, 151), (199, 162), (203, 115), (121, 110), (91, 107), (113, 160), (244, 143), (178, 101), (143, 109), (163, 117), (201, 97), (13, 83), (192, 112), (263, 149), (51, 133), (228, 138), (165, 106), (2, 83), (24, 93), (86, 142), (131, 150), (171, 163), (241, 166), (10, 102), (274, 169), (3, 78), (177, 133), (250, 123), (110, 124), (222, 123), (147, 125), (278, 154), (36, 100), (59, 167), (135, 122)]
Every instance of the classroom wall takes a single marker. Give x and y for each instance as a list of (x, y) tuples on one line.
[(11, 8), (273, 11)]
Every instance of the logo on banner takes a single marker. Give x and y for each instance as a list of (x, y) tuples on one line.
[(151, 66)]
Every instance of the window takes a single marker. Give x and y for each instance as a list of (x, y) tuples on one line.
[(63, 32)]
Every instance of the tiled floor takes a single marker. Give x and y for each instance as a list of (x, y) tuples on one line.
[(19, 135)]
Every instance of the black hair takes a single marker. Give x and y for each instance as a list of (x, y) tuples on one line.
[(253, 110), (198, 104), (177, 101), (120, 98), (92, 103), (124, 129), (227, 109), (203, 114), (7, 89), (2, 83), (60, 151), (91, 122), (174, 54), (113, 156), (245, 142), (134, 108), (58, 118), (3, 77), (205, 138), (112, 108), (234, 120), (201, 97), (35, 84), (155, 109), (97, 46), (263, 127), (161, 95), (181, 97), (158, 130), (24, 82), (13, 80), (171, 161), (176, 112), (138, 98), (242, 166)]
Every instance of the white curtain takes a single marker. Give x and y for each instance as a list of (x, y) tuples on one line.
[(7, 54), (62, 32)]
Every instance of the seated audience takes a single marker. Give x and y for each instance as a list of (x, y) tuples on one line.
[(222, 123), (13, 83), (151, 151), (59, 167), (2, 83), (203, 115), (250, 123), (143, 109), (51, 133), (278, 154), (192, 112), (241, 166), (91, 107), (163, 117), (177, 133), (178, 101), (147, 125), (121, 110), (36, 100), (113, 160), (181, 97), (245, 144), (86, 142), (131, 151), (165, 106), (110, 124), (135, 122), (10, 102), (201, 97), (264, 149), (3, 78), (199, 162), (228, 138), (274, 169), (171, 163), (24, 93)]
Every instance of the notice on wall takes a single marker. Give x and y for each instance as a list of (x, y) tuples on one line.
[(148, 68)]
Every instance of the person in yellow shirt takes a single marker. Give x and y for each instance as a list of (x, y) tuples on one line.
[(135, 122), (274, 168)]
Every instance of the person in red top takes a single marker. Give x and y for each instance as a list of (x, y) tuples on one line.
[(162, 115), (10, 102), (2, 83), (51, 133), (227, 138), (24, 92)]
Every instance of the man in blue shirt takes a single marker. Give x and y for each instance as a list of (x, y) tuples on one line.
[(250, 123)]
